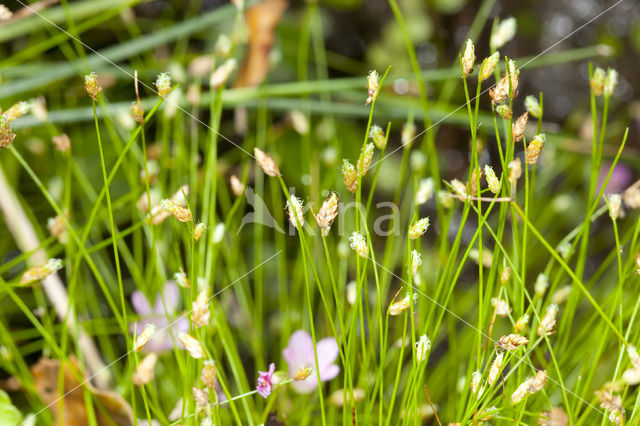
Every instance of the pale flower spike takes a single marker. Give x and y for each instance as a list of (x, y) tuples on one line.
[(91, 85), (373, 81), (419, 228), (468, 58), (295, 211), (163, 84), (423, 345), (359, 244)]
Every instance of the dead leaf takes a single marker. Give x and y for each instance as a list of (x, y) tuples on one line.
[(262, 21), (110, 408)]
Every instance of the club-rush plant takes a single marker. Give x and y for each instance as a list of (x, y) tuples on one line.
[(191, 236)]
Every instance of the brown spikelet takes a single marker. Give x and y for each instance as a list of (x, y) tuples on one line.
[(510, 342), (517, 128), (327, 213), (266, 162), (236, 186)]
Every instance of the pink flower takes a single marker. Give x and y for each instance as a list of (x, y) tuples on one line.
[(264, 381), (159, 316), (299, 354)]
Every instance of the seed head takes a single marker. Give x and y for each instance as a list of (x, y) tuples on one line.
[(504, 32), (459, 188), (91, 85), (476, 377), (631, 196), (5, 13), (488, 66), (61, 142), (201, 397), (633, 355), (615, 206), (492, 180), (198, 231), (145, 370), (520, 392), (517, 128), (266, 162), (548, 323), (521, 324), (339, 396), (423, 345), (200, 309), (504, 111), (533, 150), (296, 215), (359, 244), (505, 275), (299, 121), (208, 375), (500, 91), (597, 82), (327, 213), (58, 229), (610, 82), (163, 84), (6, 134), (408, 134), (541, 285), (17, 110), (373, 81), (555, 417), (220, 76), (364, 161), (377, 135), (416, 261), (223, 46), (496, 367), (137, 112), (41, 272), (501, 306), (398, 306), (193, 346), (510, 342), (425, 191), (468, 58), (236, 186), (144, 337), (350, 178), (159, 215), (418, 228), (611, 402), (515, 170), (532, 106), (181, 279), (180, 213), (537, 382), (476, 176)]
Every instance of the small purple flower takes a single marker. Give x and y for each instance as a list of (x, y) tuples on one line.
[(299, 354), (264, 381), (159, 316), (620, 179)]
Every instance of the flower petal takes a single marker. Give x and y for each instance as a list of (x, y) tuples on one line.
[(140, 303), (300, 350), (329, 372), (327, 352), (171, 295)]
